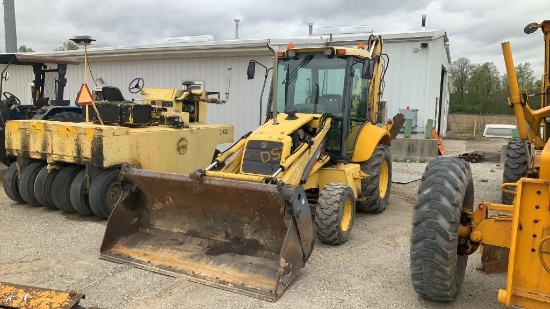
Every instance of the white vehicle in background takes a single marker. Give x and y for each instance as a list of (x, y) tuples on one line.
[(500, 130)]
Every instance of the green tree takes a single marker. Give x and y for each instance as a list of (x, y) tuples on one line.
[(484, 89), (24, 49), (69, 45), (461, 70)]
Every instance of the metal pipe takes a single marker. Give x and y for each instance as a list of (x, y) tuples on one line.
[(277, 172), (237, 20), (275, 77), (211, 166), (515, 98), (372, 47), (423, 22)]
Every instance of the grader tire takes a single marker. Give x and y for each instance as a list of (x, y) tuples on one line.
[(515, 167), (26, 183), (61, 186), (104, 193), (375, 189), (43, 187), (334, 213), (79, 196), (11, 184), (437, 271)]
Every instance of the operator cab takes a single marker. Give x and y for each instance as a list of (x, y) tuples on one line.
[(329, 81)]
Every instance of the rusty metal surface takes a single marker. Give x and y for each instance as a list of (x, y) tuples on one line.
[(29, 297), (234, 235), (398, 122), (494, 259)]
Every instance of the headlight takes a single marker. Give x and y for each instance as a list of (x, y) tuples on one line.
[(328, 52), (292, 53)]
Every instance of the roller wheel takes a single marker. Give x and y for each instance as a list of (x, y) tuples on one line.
[(105, 191), (437, 270), (67, 117), (61, 186), (334, 213), (375, 189), (26, 183), (11, 184), (515, 167), (43, 187), (79, 195)]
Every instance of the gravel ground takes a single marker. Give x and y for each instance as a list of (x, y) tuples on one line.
[(57, 250)]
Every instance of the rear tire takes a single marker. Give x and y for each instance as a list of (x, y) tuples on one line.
[(78, 195), (376, 188), (105, 192), (11, 184), (43, 187), (334, 213), (61, 186), (26, 183), (437, 271), (515, 167)]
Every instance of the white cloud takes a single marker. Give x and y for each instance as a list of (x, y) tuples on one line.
[(475, 27)]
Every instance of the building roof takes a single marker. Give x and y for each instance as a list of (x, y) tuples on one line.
[(237, 47)]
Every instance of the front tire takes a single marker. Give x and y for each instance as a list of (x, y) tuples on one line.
[(11, 184), (43, 187), (376, 188), (26, 183), (105, 192), (61, 187), (79, 195), (335, 213), (437, 271)]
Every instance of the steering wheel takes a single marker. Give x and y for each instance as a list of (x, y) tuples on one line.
[(12, 98), (138, 85)]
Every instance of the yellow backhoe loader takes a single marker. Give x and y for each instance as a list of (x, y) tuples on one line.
[(244, 223), (447, 228)]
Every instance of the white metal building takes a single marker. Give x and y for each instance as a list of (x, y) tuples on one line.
[(416, 76)]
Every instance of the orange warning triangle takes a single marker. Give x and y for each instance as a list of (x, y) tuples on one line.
[(84, 96)]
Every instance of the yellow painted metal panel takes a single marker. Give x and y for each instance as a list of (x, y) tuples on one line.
[(157, 148), (348, 174), (369, 137), (528, 281)]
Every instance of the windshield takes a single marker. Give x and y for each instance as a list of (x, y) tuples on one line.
[(311, 83)]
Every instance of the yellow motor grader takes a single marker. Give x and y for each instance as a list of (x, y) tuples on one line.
[(74, 166), (447, 228), (244, 223)]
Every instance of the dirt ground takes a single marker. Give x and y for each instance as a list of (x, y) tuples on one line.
[(61, 251)]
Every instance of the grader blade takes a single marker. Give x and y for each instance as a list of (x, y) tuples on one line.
[(245, 237)]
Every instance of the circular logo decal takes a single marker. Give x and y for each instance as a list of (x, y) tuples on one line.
[(182, 146)]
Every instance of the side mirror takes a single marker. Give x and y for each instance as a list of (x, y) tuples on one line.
[(530, 28), (251, 71), (368, 69), (5, 75)]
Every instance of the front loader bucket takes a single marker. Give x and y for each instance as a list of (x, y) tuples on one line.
[(245, 237)]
